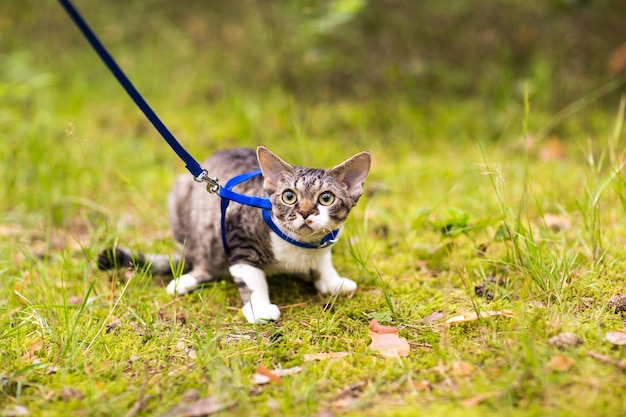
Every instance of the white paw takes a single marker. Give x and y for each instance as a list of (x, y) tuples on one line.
[(260, 313), (184, 284), (335, 286)]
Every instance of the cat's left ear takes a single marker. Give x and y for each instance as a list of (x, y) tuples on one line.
[(272, 166), (353, 172)]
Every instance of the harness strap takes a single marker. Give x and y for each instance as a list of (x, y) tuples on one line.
[(266, 206)]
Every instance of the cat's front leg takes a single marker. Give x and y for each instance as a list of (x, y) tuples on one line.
[(327, 280), (254, 293), (186, 283)]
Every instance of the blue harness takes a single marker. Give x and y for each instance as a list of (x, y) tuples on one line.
[(200, 174), (266, 206)]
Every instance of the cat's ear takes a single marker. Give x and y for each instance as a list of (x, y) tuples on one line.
[(353, 172), (272, 166)]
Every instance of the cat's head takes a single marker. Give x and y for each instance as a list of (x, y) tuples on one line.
[(309, 203)]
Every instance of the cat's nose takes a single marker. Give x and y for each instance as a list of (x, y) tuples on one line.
[(305, 208)]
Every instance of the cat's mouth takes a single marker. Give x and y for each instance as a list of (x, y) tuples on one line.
[(304, 229)]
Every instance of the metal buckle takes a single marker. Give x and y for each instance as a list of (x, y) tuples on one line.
[(328, 243), (213, 185)]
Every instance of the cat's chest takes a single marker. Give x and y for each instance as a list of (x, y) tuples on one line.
[(292, 259)]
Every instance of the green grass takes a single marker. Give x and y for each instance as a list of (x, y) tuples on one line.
[(448, 206)]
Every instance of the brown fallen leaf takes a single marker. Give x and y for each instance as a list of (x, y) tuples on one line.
[(462, 318), (422, 385), (31, 355), (310, 357), (462, 369), (605, 359), (434, 316), (565, 340), (616, 338), (375, 326), (386, 341), (552, 149), (557, 222), (68, 393), (264, 376), (74, 300), (560, 363), (202, 407), (617, 60), (477, 399), (348, 395), (15, 411)]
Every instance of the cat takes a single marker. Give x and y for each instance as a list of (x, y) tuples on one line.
[(306, 204)]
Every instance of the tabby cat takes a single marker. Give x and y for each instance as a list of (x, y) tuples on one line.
[(306, 204)]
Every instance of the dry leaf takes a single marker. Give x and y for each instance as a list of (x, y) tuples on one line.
[(68, 393), (557, 222), (376, 327), (348, 395), (202, 407), (564, 340), (477, 400), (287, 371), (434, 316), (309, 357), (264, 376), (617, 60), (422, 385), (386, 341), (31, 355), (462, 318), (462, 369), (74, 300), (552, 149), (605, 359), (191, 395), (560, 363), (617, 338), (15, 411)]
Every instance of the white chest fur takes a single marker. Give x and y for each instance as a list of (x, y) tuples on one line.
[(295, 260)]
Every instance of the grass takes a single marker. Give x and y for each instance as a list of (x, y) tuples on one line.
[(448, 207)]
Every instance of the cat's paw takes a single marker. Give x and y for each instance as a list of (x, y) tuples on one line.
[(260, 313), (335, 286), (184, 284)]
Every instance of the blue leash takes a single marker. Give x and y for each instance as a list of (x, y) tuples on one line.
[(191, 164)]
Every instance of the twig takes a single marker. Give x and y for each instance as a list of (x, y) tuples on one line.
[(605, 359)]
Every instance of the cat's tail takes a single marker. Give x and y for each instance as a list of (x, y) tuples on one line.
[(118, 257)]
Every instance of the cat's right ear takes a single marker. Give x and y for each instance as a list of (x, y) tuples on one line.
[(272, 166)]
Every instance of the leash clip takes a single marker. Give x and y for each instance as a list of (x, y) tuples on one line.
[(328, 243), (212, 186)]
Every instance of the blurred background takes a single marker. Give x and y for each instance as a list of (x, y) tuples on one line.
[(348, 73)]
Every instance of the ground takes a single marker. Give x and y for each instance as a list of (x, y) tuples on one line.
[(527, 225)]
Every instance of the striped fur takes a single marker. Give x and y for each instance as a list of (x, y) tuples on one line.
[(322, 201)]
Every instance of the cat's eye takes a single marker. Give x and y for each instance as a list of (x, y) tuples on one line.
[(326, 199), (289, 197)]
